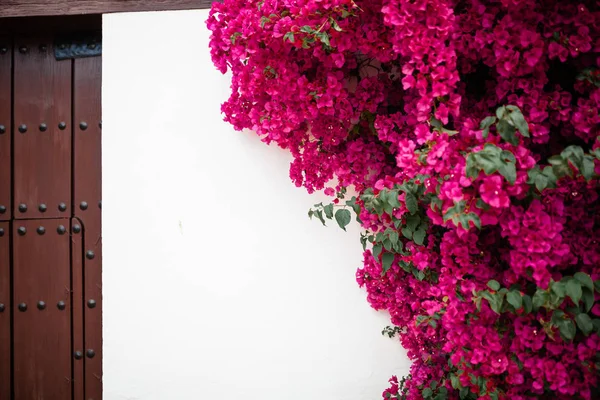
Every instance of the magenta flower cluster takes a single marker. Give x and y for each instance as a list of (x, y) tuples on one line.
[(469, 130)]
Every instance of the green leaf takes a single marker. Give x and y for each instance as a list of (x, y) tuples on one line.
[(392, 199), (585, 280), (496, 300), (411, 202), (573, 290), (451, 213), (507, 132), (319, 215), (588, 299), (539, 299), (490, 160), (587, 168), (455, 381), (335, 25), (421, 319), (472, 217), (519, 122), (514, 299), (566, 328), (289, 36), (584, 323), (419, 236), (420, 275), (387, 245), (559, 288), (527, 304), (501, 112), (264, 20), (406, 266), (234, 37), (436, 203), (407, 233), (573, 154), (393, 235), (377, 250), (386, 261), (464, 221), (324, 38), (541, 179), (413, 221), (306, 29), (343, 218), (494, 285), (328, 211), (509, 172), (427, 392), (486, 124), (560, 167)]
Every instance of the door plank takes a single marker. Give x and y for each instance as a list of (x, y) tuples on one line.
[(5, 311), (87, 176), (78, 305), (5, 127), (42, 338), (42, 158)]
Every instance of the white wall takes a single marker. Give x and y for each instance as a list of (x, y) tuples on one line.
[(216, 283)]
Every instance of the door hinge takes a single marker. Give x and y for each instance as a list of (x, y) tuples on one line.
[(88, 44)]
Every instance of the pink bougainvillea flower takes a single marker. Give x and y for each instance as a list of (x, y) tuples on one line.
[(481, 223)]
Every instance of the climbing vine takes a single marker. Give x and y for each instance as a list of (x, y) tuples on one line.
[(468, 131)]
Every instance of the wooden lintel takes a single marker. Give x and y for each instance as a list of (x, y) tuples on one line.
[(30, 8)]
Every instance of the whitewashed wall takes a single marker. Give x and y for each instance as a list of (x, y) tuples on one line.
[(216, 284)]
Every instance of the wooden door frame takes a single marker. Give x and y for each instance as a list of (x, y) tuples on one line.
[(27, 8), (85, 304)]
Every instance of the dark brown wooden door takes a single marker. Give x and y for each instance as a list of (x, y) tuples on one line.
[(50, 213)]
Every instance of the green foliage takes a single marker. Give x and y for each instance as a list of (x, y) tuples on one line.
[(458, 215), (342, 215), (578, 289), (573, 157), (490, 160), (343, 218), (590, 75), (542, 178), (391, 331), (508, 120)]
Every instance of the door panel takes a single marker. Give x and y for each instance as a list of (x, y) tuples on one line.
[(42, 134), (5, 127), (5, 310), (42, 312)]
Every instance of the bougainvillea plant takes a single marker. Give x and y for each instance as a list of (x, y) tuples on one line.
[(468, 130)]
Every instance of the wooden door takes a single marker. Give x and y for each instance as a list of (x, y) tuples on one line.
[(50, 210)]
